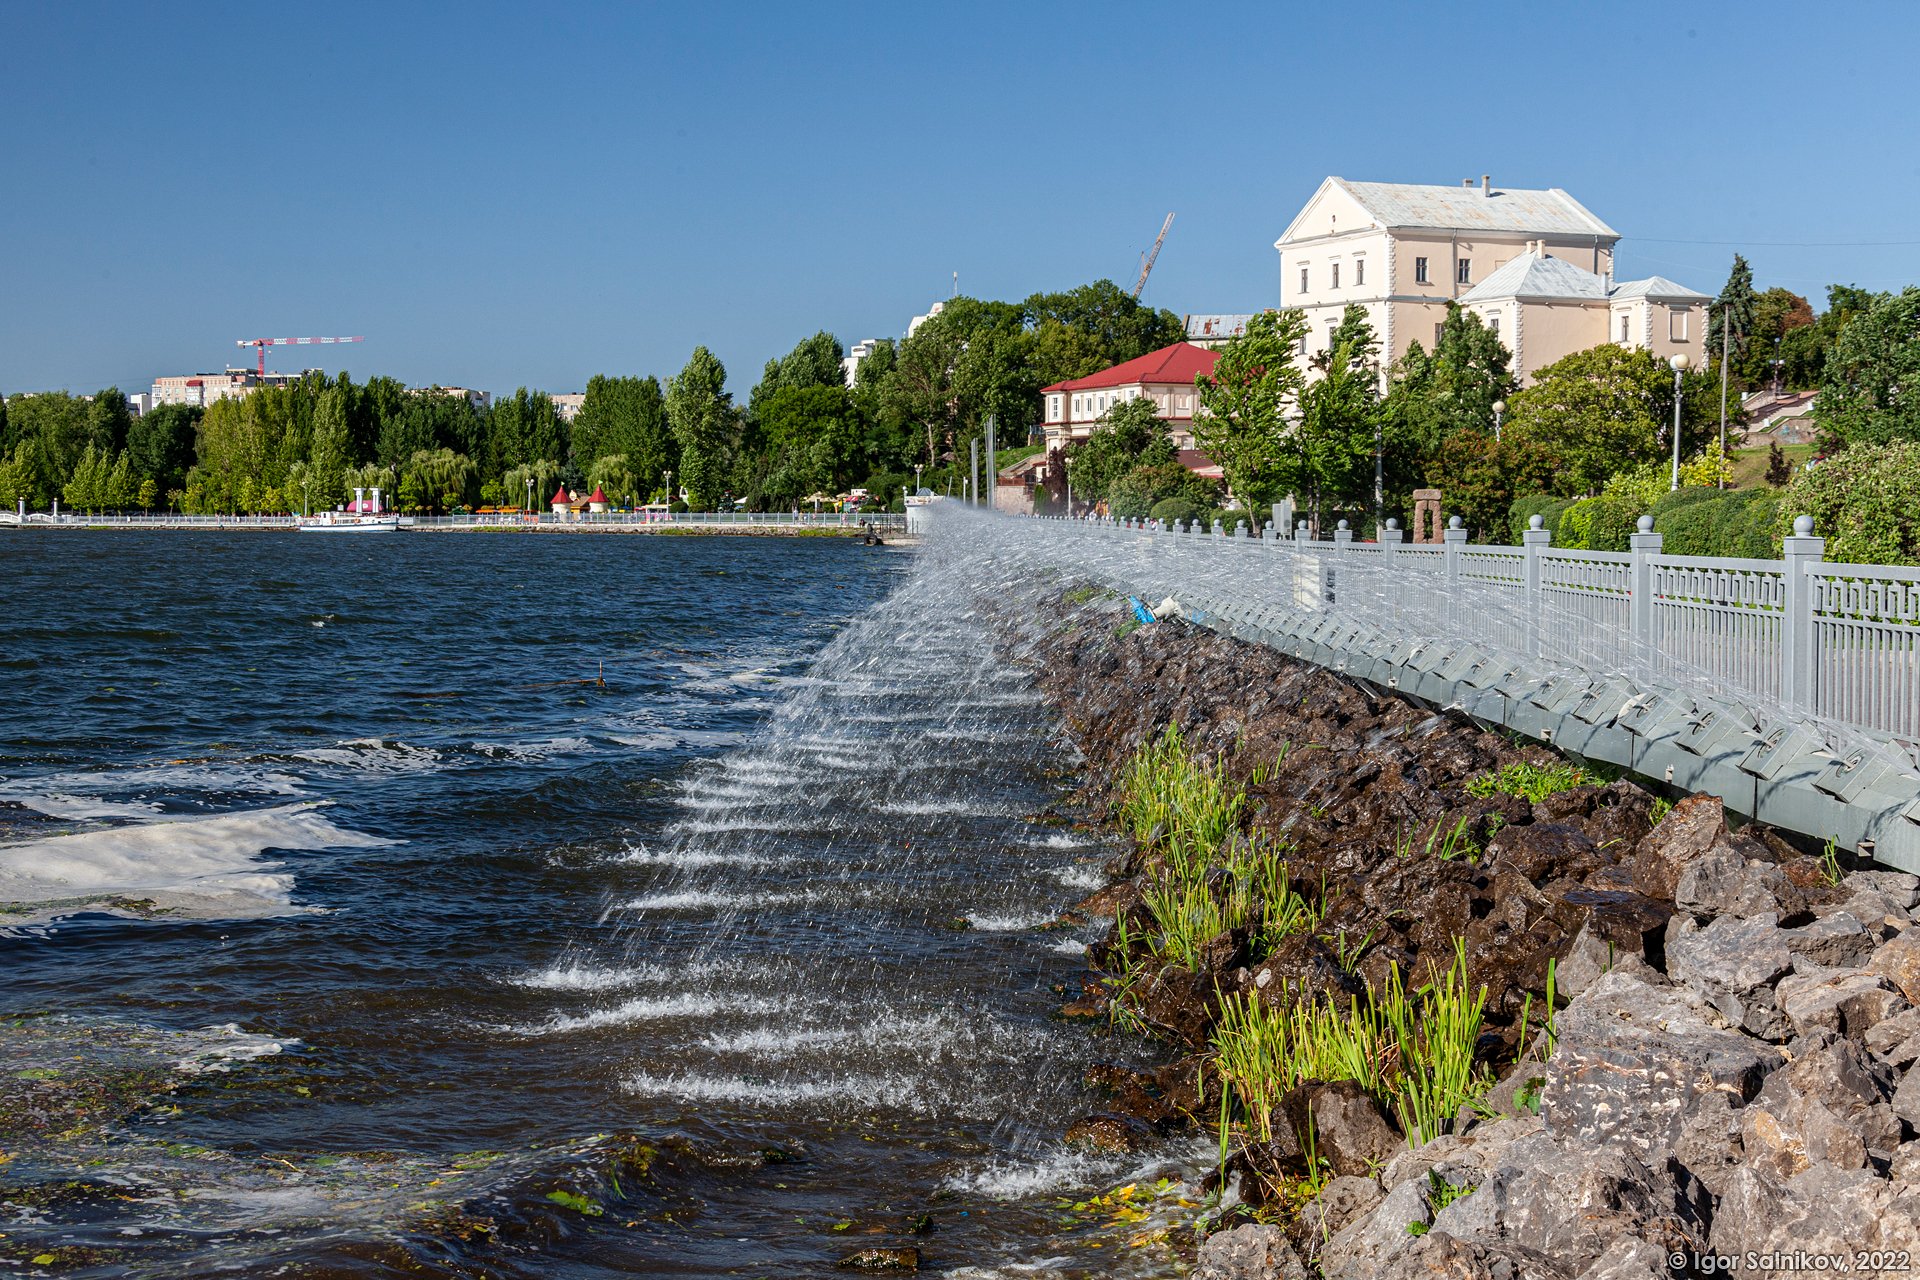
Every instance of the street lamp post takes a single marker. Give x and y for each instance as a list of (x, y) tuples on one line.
[(669, 476), (1679, 366), (917, 468), (1499, 412), (529, 495), (1067, 468)]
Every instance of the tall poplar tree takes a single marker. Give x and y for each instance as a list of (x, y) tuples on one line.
[(701, 413)]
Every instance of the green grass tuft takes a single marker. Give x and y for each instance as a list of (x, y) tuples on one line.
[(1531, 782)]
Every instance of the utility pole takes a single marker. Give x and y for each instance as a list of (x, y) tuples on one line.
[(1724, 347), (993, 475), (974, 449)]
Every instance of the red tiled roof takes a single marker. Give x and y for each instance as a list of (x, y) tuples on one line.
[(598, 496), (1197, 461), (1180, 363), (560, 497)]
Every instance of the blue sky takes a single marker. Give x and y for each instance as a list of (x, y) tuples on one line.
[(505, 195)]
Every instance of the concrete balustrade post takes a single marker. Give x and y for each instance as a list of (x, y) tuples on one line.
[(1452, 541), (1798, 669), (1644, 545), (1535, 540)]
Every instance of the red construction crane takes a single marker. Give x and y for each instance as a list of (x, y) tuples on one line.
[(263, 343)]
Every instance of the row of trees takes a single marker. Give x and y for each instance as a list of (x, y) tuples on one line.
[(915, 403), (1331, 439)]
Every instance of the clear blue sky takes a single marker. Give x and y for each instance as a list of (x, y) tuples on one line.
[(504, 195)]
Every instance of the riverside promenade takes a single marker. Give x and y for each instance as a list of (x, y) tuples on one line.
[(790, 524)]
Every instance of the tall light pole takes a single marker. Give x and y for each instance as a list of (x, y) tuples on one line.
[(529, 495), (917, 468), (1725, 343), (1066, 466), (1499, 412), (669, 476), (1679, 366)]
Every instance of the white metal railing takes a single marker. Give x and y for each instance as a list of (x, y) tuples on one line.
[(885, 521), (1836, 641)]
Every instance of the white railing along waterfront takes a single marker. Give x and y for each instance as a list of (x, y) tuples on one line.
[(1837, 642), (885, 522)]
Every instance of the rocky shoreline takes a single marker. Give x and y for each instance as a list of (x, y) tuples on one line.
[(1725, 1081)]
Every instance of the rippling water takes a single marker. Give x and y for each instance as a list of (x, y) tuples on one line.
[(577, 906)]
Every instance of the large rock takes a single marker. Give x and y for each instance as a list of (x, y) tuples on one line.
[(1569, 1202), (1634, 1063), (1630, 1258), (1623, 932), (1439, 1256), (1694, 826), (1822, 1211), (1844, 1001), (1726, 881), (1251, 1252), (1340, 1202), (1835, 941), (1895, 1040), (1733, 963), (1898, 961), (1352, 1134), (1828, 1106), (1361, 1251), (1543, 851)]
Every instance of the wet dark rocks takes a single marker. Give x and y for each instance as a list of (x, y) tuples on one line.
[(1110, 1132)]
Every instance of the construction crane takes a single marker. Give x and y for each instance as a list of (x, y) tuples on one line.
[(1146, 268), (261, 344)]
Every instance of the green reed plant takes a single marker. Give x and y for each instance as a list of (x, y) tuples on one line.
[(1446, 843), (1414, 1052), (1531, 782)]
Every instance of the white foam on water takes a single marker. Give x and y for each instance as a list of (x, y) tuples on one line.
[(867, 1090), (1011, 921), (710, 900), (1069, 947), (713, 826), (779, 1042), (205, 858), (655, 1009), (78, 808), (1080, 875), (645, 857), (1061, 840), (944, 808), (374, 756), (239, 1047), (1017, 1179)]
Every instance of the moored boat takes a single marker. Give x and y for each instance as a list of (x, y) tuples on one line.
[(363, 516)]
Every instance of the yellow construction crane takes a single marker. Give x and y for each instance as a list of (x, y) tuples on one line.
[(1146, 267)]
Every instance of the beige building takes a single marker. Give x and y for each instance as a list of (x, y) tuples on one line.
[(1544, 307), (203, 389), (1071, 410), (1404, 252)]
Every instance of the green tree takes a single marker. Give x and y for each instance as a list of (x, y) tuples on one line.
[(1327, 460), (1733, 313), (1607, 409), (612, 473), (1870, 387), (702, 416), (1242, 423), (544, 475), (627, 417), (160, 443), (86, 487), (1130, 434), (328, 456), (439, 478)]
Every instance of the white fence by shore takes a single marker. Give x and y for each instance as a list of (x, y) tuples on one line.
[(1840, 642), (596, 522)]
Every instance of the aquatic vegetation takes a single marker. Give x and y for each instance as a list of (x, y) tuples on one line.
[(1531, 782), (1412, 1051), (576, 1202)]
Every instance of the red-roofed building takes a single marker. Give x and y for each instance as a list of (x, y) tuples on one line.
[(1070, 410), (598, 501)]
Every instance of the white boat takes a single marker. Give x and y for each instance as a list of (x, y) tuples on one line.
[(363, 516), (341, 522)]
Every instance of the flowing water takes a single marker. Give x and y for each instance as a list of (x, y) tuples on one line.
[(535, 906)]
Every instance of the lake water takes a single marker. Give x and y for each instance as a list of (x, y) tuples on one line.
[(536, 906)]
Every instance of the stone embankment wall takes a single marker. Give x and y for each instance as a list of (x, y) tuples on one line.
[(1731, 1069)]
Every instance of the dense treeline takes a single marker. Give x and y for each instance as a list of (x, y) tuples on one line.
[(802, 430)]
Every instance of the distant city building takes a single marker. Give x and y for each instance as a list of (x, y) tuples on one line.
[(917, 321), (1543, 307), (850, 365), (480, 400), (567, 404), (1070, 410), (203, 389), (1402, 252), (139, 403), (1215, 331)]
